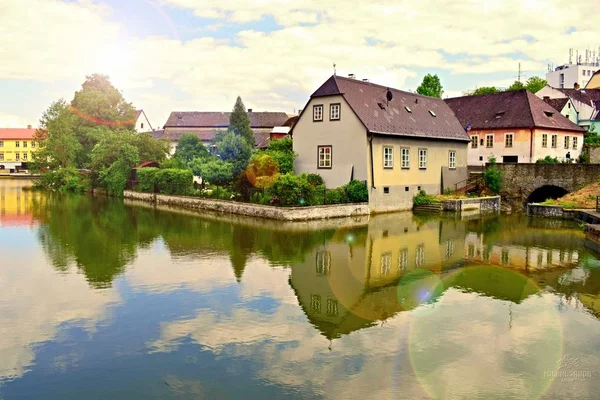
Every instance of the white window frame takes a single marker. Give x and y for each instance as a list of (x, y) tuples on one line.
[(318, 113), (554, 141), (17, 143), (475, 144), (32, 144), (422, 158), (17, 157), (575, 140), (325, 164), (544, 140), (335, 111), (405, 157), (388, 157), (24, 156), (567, 142), (487, 137), (512, 140), (452, 159), (24, 144)]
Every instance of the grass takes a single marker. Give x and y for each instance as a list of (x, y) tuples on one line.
[(584, 198)]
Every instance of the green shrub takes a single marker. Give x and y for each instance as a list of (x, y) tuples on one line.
[(492, 176), (292, 190), (423, 198), (64, 180), (175, 181), (548, 160), (336, 196), (448, 191), (357, 192), (315, 180), (146, 178)]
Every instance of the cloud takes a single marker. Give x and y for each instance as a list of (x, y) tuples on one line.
[(13, 121)]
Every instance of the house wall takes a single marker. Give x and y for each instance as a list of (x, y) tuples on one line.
[(9, 151), (594, 82), (580, 74), (142, 124), (347, 137), (582, 113), (560, 151), (403, 184)]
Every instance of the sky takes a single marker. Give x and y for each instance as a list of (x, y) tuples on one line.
[(197, 55)]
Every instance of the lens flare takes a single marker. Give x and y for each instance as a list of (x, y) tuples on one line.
[(505, 345), (99, 121)]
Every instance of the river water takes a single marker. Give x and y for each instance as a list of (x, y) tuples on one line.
[(101, 299)]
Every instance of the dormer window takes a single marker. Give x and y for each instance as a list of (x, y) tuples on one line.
[(432, 113), (334, 112), (408, 109), (549, 114), (318, 113), (499, 114), (381, 105)]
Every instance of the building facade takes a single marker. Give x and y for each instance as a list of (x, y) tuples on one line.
[(142, 124), (516, 127), (17, 146), (397, 142), (566, 76), (585, 101)]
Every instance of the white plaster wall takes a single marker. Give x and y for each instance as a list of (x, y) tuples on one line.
[(142, 119), (481, 154), (560, 151), (573, 74)]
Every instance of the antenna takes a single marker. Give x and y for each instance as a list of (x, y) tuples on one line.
[(334, 72), (519, 76), (571, 55)]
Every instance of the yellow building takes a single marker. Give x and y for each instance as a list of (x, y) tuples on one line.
[(16, 148), (594, 82)]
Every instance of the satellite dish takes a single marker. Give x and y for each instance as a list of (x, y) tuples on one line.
[(389, 95), (468, 127)]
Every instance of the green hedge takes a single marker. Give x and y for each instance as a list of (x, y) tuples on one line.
[(146, 178), (175, 181)]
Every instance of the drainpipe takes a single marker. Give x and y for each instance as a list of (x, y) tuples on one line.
[(531, 146), (372, 169)]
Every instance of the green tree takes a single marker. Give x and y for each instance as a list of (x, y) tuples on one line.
[(485, 90), (215, 171), (239, 122), (57, 144), (431, 86), (282, 151), (262, 170), (114, 178), (515, 86), (235, 150), (492, 176), (190, 147), (535, 84)]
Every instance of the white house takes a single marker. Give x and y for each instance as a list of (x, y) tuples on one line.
[(142, 124)]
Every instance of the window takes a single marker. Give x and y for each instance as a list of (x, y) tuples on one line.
[(318, 113), (1, 143), (386, 190), (1, 156), (403, 259), (407, 108), (544, 140), (142, 125), (489, 141), (332, 308), (499, 114), (508, 140), (567, 142), (549, 114), (505, 258), (315, 303), (554, 141), (24, 156), (422, 158), (474, 142), (17, 144), (420, 256), (17, 155), (33, 145), (325, 157), (452, 159), (323, 262), (405, 157), (575, 143), (334, 112), (386, 264), (432, 113), (24, 144), (388, 157)]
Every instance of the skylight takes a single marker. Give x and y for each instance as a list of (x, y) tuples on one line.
[(500, 114), (549, 113), (381, 105), (408, 109), (432, 113)]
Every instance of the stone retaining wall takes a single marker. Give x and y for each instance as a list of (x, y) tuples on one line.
[(481, 204), (541, 210), (253, 210)]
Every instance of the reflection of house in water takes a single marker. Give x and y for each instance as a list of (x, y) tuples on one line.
[(351, 281), (15, 204)]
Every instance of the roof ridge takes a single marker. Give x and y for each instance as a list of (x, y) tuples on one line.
[(386, 87), (527, 93)]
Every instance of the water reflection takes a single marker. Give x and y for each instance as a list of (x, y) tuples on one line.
[(15, 203), (224, 307)]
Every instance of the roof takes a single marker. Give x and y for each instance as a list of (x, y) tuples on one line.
[(586, 96), (201, 119), (281, 129), (158, 134), (407, 114), (291, 121), (17, 133), (138, 113), (517, 109), (261, 135), (557, 104)]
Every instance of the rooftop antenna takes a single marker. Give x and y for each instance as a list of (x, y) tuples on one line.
[(334, 72), (519, 76), (571, 55)]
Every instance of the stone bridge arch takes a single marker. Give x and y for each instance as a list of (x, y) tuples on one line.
[(520, 182)]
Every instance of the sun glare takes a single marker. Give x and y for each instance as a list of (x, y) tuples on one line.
[(117, 61)]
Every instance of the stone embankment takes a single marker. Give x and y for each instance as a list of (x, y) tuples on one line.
[(482, 205)]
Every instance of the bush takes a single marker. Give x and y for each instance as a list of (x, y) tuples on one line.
[(492, 176), (423, 198), (146, 178), (64, 180), (293, 190), (548, 160), (175, 181), (262, 170), (315, 180), (215, 171), (357, 192), (336, 196), (282, 151)]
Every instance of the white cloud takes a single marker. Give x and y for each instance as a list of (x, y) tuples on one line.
[(13, 121)]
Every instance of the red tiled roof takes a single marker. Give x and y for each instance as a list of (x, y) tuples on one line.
[(17, 133), (261, 135), (428, 117), (201, 119), (518, 109)]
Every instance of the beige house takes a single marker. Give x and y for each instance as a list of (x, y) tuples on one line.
[(398, 142)]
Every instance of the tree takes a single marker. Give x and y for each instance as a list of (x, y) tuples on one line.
[(114, 178), (485, 90), (431, 86), (535, 84), (239, 122), (234, 149), (515, 86), (57, 143), (282, 151), (492, 176), (215, 171), (190, 147), (262, 171)]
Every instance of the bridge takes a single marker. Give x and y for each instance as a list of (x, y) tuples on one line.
[(530, 183)]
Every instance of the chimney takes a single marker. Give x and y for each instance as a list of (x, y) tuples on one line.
[(351, 76), (546, 97), (249, 110), (576, 86), (28, 126)]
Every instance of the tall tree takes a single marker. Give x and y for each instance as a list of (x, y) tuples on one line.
[(431, 86), (189, 147), (535, 84), (239, 122), (515, 86), (485, 90), (235, 150)]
